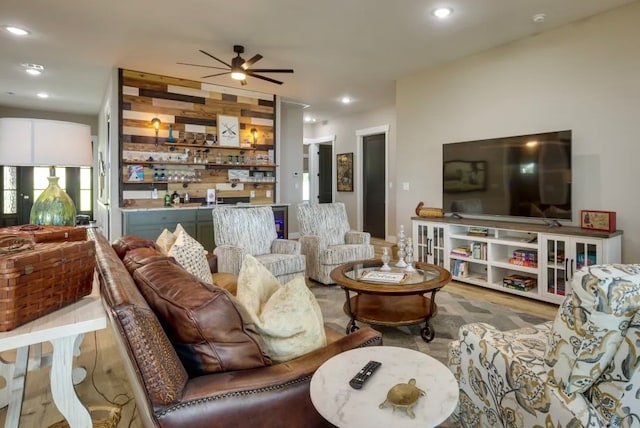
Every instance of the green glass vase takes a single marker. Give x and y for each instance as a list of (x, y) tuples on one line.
[(53, 207)]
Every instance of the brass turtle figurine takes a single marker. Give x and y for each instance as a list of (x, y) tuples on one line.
[(404, 396)]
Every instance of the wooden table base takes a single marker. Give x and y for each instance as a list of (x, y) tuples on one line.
[(391, 311)]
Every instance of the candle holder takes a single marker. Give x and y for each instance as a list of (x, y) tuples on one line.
[(401, 246), (385, 259), (409, 256)]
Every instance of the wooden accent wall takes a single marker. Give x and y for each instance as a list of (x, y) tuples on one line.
[(191, 108)]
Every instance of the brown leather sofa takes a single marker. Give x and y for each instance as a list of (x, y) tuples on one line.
[(276, 395)]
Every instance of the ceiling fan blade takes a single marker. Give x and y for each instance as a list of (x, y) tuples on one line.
[(253, 60), (268, 79), (199, 65), (217, 59), (214, 75), (272, 70)]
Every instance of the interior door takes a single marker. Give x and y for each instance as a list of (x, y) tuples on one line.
[(325, 181), (373, 187)]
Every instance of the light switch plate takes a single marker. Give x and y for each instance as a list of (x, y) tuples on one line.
[(405, 186)]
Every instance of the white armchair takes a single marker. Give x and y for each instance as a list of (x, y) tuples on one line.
[(581, 370), (239, 231), (328, 241)]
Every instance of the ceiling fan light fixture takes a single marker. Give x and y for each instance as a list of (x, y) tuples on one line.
[(238, 75)]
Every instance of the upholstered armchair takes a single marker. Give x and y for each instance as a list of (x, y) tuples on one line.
[(580, 370), (328, 241), (239, 231)]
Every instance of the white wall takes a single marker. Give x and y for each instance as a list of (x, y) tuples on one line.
[(345, 129), (583, 77), (289, 153)]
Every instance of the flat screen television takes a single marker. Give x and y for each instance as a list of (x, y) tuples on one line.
[(522, 176)]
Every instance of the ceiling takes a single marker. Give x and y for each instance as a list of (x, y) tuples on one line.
[(357, 48)]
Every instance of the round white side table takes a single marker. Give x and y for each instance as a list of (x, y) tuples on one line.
[(345, 407)]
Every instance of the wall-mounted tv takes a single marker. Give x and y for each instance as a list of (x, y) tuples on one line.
[(522, 176)]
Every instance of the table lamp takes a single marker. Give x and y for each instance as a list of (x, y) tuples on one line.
[(40, 142)]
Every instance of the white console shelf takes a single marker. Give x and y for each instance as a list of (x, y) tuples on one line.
[(532, 260)]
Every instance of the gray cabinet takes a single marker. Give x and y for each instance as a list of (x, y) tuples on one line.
[(198, 223)]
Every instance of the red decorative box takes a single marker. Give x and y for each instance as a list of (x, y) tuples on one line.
[(598, 220)]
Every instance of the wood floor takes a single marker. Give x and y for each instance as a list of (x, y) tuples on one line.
[(106, 383)]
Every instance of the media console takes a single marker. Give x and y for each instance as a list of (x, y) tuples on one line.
[(531, 260)]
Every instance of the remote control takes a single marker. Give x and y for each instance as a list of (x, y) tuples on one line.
[(364, 374)]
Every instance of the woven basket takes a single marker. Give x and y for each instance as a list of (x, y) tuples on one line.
[(37, 281)]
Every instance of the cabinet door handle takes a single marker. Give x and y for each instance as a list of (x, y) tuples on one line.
[(572, 268), (566, 269)]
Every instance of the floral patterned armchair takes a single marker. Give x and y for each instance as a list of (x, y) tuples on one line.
[(580, 370)]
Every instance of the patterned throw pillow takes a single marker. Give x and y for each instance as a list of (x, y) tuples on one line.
[(191, 255), (287, 317), (165, 241)]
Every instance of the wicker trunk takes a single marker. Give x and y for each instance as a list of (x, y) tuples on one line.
[(37, 281), (47, 233)]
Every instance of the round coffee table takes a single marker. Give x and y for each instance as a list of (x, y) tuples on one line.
[(391, 304), (345, 407)]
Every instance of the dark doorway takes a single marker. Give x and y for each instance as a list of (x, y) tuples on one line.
[(325, 165), (373, 185)]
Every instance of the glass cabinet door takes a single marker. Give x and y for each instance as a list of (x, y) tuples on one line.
[(437, 249), (557, 272), (586, 253)]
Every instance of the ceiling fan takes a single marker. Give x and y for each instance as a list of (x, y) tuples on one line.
[(240, 69)]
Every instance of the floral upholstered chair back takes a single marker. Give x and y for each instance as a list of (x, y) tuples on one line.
[(252, 229), (328, 221), (594, 349)]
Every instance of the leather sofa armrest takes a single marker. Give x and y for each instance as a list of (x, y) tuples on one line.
[(355, 237), (278, 375)]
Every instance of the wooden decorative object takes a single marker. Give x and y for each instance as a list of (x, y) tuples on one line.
[(428, 212), (598, 220)]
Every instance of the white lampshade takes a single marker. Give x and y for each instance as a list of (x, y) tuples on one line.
[(41, 142)]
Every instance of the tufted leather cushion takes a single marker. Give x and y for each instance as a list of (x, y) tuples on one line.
[(142, 256), (206, 325), (130, 242)]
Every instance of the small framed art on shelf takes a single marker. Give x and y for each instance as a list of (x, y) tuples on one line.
[(598, 220)]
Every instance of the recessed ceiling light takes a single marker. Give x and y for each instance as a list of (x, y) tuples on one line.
[(16, 31), (345, 100), (42, 95), (539, 17), (442, 12), (33, 69), (309, 119)]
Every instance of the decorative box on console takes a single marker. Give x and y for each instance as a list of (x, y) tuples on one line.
[(47, 233), (40, 280)]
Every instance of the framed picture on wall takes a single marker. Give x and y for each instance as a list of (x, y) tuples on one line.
[(345, 172), (228, 130)]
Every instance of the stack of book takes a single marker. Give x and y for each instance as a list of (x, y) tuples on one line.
[(478, 231), (461, 251), (524, 258), (519, 282), (459, 268)]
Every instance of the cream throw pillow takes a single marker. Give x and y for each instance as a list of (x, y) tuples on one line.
[(165, 241), (191, 255), (287, 317)]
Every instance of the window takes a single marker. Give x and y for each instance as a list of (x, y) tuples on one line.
[(86, 201), (9, 190)]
